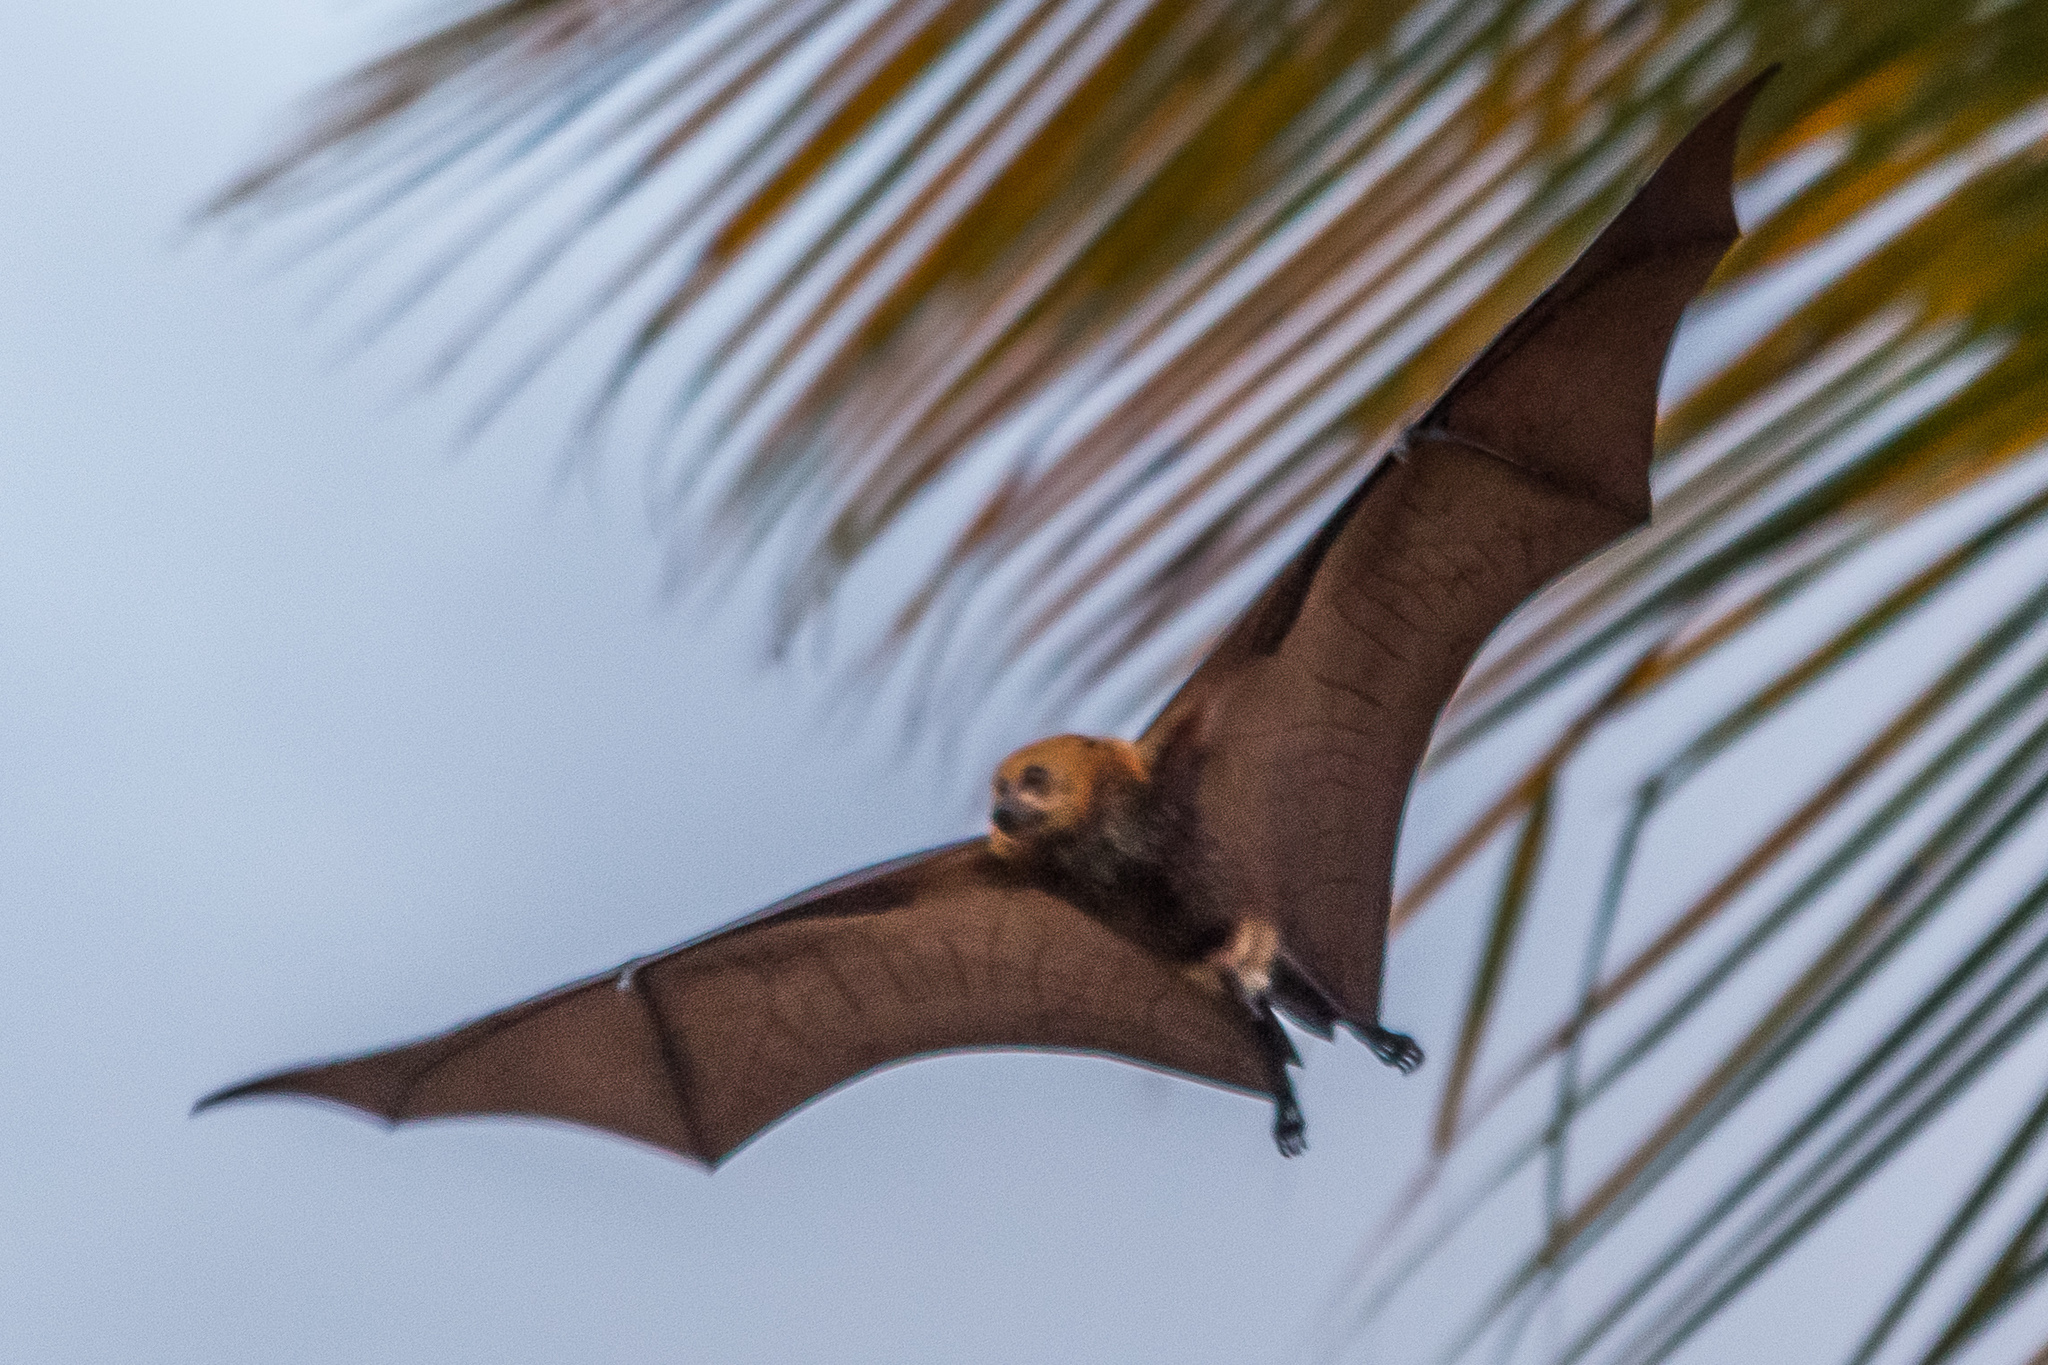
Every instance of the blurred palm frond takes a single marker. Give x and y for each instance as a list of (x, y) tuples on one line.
[(1110, 299)]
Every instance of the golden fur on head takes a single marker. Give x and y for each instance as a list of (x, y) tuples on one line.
[(1057, 787)]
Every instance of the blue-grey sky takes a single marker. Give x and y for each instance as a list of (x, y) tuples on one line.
[(313, 738)]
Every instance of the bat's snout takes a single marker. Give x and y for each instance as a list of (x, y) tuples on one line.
[(1015, 817)]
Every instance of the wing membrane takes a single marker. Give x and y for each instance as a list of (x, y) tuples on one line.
[(1315, 709), (697, 1049)]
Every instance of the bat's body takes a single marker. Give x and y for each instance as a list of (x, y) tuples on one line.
[(1120, 837), (1157, 900)]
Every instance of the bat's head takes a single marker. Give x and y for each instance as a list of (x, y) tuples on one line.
[(1057, 789)]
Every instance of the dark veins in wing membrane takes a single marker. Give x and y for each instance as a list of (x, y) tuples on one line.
[(1277, 617)]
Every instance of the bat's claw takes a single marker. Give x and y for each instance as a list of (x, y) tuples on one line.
[(1290, 1130), (1397, 1050)]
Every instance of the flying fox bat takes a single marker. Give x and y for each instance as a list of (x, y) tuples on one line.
[(1156, 901)]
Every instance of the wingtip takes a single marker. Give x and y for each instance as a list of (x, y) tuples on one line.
[(301, 1083), (220, 1096), (252, 1089), (1690, 196), (1735, 108), (1722, 125), (275, 1083)]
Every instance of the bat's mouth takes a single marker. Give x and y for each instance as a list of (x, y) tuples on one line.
[(1014, 817)]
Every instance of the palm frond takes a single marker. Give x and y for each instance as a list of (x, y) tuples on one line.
[(1151, 279)]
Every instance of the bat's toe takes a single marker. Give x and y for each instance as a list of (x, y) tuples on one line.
[(1290, 1130), (1397, 1050)]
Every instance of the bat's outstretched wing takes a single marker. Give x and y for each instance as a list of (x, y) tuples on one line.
[(1315, 708), (699, 1048)]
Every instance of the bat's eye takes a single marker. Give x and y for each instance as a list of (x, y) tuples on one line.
[(1034, 780)]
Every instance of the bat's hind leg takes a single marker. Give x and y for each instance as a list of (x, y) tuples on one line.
[(1247, 958), (1397, 1050), (1247, 962), (1290, 1130)]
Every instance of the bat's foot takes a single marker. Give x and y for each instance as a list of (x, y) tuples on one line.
[(1397, 1050), (1290, 1130)]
